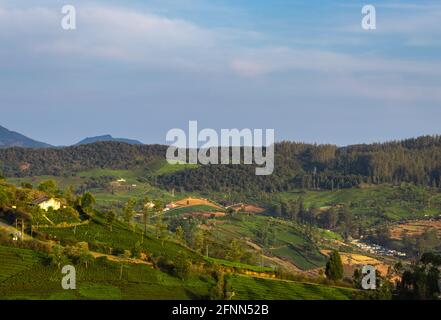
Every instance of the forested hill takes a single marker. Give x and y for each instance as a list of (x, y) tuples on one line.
[(297, 165), (51, 161)]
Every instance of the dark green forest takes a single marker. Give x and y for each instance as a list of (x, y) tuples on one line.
[(22, 162), (297, 165)]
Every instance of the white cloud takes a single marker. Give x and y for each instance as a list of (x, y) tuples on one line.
[(152, 42)]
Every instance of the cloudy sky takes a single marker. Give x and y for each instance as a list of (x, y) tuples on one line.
[(139, 68)]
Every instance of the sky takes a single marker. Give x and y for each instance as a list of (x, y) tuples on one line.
[(137, 69)]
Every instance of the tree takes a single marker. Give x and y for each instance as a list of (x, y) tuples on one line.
[(87, 201), (85, 257), (147, 210), (294, 209), (197, 239), (382, 234), (331, 218), (161, 229), (179, 233), (4, 198), (427, 241), (421, 281), (345, 220), (235, 251), (182, 268), (57, 256), (334, 267), (110, 218), (129, 210), (136, 251), (158, 207), (221, 290), (69, 195), (49, 187)]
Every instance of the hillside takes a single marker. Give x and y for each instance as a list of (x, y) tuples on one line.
[(14, 139), (116, 259), (107, 138), (297, 165), (60, 161), (318, 167)]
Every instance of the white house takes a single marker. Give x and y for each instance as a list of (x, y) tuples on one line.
[(149, 205), (45, 203)]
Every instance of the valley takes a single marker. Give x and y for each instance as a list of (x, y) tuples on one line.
[(153, 241)]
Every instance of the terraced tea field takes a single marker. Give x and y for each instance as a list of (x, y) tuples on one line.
[(14, 261), (263, 289)]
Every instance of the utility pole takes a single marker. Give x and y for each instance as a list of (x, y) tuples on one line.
[(207, 250), (22, 229)]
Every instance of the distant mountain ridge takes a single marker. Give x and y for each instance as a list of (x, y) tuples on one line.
[(106, 138), (9, 139), (14, 139)]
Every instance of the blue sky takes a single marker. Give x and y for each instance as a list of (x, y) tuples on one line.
[(139, 68)]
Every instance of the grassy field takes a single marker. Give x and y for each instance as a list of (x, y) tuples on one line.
[(263, 289), (30, 279), (394, 202), (161, 167), (190, 209), (289, 242), (122, 237), (239, 266)]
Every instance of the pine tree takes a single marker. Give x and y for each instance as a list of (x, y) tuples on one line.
[(334, 267)]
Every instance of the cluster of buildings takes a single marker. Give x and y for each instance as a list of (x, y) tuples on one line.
[(377, 249)]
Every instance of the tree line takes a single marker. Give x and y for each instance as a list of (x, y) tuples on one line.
[(306, 166), (297, 165)]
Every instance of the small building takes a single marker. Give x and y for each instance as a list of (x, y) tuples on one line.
[(45, 203), (15, 236), (149, 205), (170, 206)]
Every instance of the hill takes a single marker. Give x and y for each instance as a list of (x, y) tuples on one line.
[(60, 161), (116, 259), (297, 165), (14, 139), (108, 137), (318, 167)]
